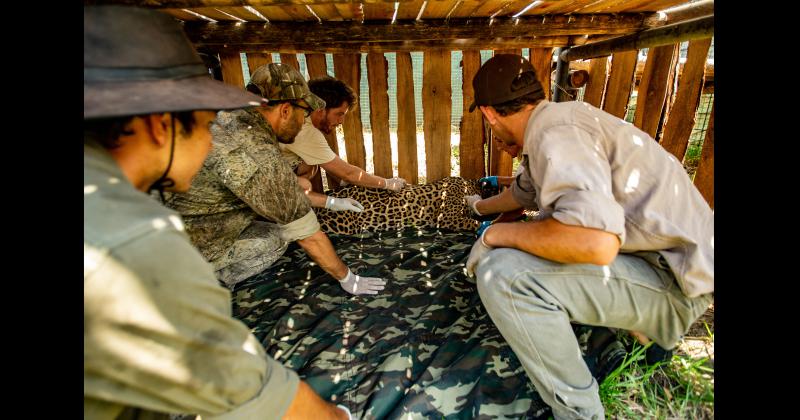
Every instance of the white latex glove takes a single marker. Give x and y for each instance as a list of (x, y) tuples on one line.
[(395, 184), (358, 285), (343, 204), (478, 250), (471, 200)]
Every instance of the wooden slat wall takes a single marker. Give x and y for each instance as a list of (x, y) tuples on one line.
[(290, 59), (471, 154), (256, 60), (347, 68), (406, 120), (620, 81), (596, 85), (704, 177), (231, 64), (501, 163), (678, 127), (317, 67), (656, 81), (378, 75), (542, 59), (436, 107)]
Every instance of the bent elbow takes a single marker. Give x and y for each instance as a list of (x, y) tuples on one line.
[(605, 248)]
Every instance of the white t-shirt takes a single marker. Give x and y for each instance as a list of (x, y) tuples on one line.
[(309, 146)]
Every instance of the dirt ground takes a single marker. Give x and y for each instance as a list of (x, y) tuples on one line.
[(697, 342)]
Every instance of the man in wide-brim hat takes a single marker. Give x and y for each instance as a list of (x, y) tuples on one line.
[(158, 333)]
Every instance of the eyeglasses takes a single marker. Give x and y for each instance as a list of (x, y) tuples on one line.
[(305, 109)]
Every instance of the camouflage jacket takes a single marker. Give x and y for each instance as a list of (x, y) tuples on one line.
[(244, 177)]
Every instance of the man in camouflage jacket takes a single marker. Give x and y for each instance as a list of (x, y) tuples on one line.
[(245, 204)]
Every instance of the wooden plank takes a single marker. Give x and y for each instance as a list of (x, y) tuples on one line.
[(542, 61), (233, 33), (327, 12), (378, 77), (232, 69), (347, 68), (290, 59), (678, 127), (501, 163), (189, 4), (316, 68), (596, 86), (656, 79), (378, 11), (366, 47), (620, 81), (406, 120), (410, 9), (436, 107), (471, 155), (256, 60), (704, 177)]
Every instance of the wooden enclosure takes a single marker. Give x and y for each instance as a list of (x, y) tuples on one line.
[(668, 90)]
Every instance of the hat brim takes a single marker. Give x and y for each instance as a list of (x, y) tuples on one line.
[(117, 99), (314, 101)]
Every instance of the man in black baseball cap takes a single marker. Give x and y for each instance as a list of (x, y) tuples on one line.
[(623, 239), (158, 333)]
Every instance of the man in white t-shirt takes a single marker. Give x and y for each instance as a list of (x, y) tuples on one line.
[(310, 150)]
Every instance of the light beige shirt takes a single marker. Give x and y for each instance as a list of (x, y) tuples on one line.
[(157, 327), (309, 146), (586, 167)]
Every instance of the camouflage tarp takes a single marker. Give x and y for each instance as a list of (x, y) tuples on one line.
[(423, 348)]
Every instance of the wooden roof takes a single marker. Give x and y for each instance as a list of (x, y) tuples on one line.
[(338, 26)]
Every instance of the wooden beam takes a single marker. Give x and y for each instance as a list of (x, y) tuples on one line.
[(276, 33), (406, 120), (232, 69), (290, 59), (665, 35), (347, 68), (542, 61), (620, 81), (678, 127), (302, 46), (436, 107), (682, 13), (256, 60), (704, 177), (656, 80), (593, 94), (317, 67), (378, 77), (470, 150), (586, 64), (190, 4)]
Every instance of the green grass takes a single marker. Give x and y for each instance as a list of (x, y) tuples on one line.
[(682, 387)]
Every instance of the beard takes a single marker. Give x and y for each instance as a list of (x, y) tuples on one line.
[(288, 131)]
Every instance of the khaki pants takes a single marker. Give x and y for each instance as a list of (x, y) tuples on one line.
[(533, 300)]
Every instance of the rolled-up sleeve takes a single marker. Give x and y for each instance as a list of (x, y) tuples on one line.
[(523, 190), (575, 180), (158, 334)]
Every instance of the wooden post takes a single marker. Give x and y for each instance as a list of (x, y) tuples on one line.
[(378, 76), (597, 82), (542, 61), (232, 69), (657, 77), (620, 80), (406, 120), (436, 107), (256, 60), (471, 155), (704, 177), (317, 67), (678, 127), (347, 68)]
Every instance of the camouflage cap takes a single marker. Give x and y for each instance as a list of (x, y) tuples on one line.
[(281, 82)]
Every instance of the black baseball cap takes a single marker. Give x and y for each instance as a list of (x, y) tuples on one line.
[(503, 78)]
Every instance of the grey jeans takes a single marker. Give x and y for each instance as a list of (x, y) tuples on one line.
[(533, 300)]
